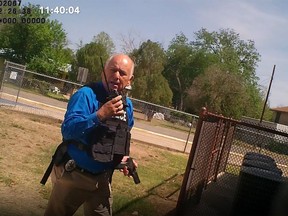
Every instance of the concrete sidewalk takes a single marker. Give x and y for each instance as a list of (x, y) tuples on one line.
[(160, 140)]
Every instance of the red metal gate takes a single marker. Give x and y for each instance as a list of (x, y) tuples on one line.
[(208, 156)]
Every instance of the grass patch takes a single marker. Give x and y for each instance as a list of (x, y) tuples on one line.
[(18, 126), (233, 169), (277, 147), (57, 96), (155, 172), (8, 181), (166, 124), (46, 120), (178, 127)]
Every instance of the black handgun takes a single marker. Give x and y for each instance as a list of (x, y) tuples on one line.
[(131, 168)]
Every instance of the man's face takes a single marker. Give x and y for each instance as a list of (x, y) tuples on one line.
[(118, 72)]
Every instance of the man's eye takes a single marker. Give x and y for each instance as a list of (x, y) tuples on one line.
[(123, 73)]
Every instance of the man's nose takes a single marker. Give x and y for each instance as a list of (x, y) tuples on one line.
[(117, 74)]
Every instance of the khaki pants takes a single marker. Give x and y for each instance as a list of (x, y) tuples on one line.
[(72, 189)]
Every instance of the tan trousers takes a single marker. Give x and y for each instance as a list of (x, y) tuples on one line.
[(72, 189)]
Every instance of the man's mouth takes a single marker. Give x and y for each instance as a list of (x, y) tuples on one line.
[(114, 85)]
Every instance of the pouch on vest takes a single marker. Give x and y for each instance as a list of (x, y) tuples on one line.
[(122, 141), (116, 141), (102, 151)]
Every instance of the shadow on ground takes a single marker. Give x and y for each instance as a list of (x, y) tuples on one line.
[(216, 200)]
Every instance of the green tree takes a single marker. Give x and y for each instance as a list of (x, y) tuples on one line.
[(41, 46), (230, 52), (234, 63), (225, 93), (150, 85), (219, 91), (89, 55), (104, 39), (183, 64)]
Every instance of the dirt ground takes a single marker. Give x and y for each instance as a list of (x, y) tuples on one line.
[(25, 139), (27, 143)]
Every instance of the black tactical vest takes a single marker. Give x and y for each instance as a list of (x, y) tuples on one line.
[(110, 140)]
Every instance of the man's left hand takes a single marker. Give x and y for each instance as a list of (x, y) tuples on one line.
[(125, 169)]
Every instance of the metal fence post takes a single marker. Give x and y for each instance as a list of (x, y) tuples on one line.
[(188, 136), (20, 84)]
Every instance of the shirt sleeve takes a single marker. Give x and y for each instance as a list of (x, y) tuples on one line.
[(130, 113), (80, 117)]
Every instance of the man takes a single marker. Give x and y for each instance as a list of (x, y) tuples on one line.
[(84, 178)]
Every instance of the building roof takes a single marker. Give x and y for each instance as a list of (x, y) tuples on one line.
[(280, 109)]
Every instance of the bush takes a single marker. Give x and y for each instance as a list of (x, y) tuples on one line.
[(277, 147), (181, 116), (35, 84)]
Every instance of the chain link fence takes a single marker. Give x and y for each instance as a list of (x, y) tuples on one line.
[(18, 83), (223, 147), (151, 111), (38, 93), (34, 92)]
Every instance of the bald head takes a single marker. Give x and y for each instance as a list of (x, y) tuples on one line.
[(119, 70)]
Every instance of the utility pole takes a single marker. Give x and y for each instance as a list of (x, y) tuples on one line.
[(267, 94)]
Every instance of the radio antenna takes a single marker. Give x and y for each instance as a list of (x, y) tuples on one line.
[(104, 74)]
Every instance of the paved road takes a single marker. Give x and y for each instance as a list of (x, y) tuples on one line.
[(34, 97), (165, 131)]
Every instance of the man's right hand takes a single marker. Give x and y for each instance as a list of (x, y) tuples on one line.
[(113, 107)]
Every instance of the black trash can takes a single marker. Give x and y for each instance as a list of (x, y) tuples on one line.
[(259, 157), (255, 191), (253, 159), (268, 165)]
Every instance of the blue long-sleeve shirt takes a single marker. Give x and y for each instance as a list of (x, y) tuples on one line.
[(80, 119)]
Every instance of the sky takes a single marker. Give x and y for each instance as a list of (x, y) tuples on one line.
[(263, 21)]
